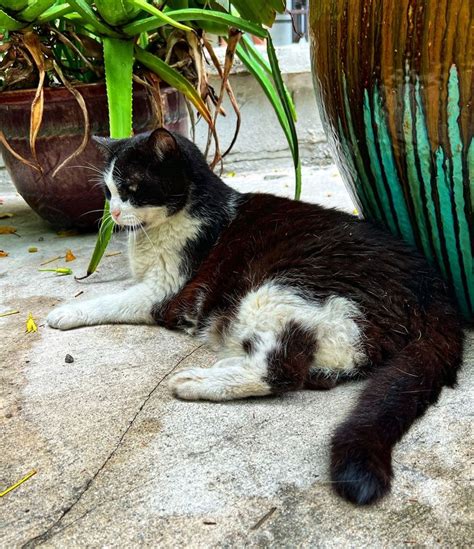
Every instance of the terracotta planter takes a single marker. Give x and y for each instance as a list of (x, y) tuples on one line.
[(66, 199), (395, 82)]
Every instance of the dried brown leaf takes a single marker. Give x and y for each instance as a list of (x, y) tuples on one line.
[(5, 229), (82, 105), (33, 44), (4, 142)]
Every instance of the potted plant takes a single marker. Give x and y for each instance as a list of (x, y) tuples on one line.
[(394, 85), (76, 42)]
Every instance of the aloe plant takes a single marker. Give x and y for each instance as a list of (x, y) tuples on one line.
[(128, 32)]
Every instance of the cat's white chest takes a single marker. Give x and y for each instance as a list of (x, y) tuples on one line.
[(157, 255)]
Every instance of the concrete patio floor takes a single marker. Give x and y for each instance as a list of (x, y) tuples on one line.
[(121, 463)]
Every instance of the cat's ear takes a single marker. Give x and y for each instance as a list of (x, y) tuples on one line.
[(105, 144), (163, 143)]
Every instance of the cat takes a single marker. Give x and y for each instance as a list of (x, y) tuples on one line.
[(292, 295)]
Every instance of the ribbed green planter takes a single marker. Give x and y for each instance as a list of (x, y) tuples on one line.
[(395, 85)]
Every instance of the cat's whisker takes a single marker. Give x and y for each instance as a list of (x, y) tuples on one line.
[(92, 211), (146, 234), (90, 167)]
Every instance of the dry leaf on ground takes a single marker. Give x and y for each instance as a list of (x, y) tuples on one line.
[(70, 256), (5, 229)]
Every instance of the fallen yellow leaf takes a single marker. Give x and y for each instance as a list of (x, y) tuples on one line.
[(70, 256), (21, 481), (60, 271), (5, 229), (3, 253), (8, 313), (6, 215), (31, 324), (32, 249)]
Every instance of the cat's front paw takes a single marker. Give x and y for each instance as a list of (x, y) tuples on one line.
[(190, 384), (67, 317)]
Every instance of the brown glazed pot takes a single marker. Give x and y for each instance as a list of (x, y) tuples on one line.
[(395, 86), (71, 199)]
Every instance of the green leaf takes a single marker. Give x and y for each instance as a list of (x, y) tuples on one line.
[(266, 66), (118, 12), (35, 9), (151, 23), (103, 238), (14, 5), (250, 58), (285, 99), (54, 12), (143, 4), (290, 111), (88, 14), (173, 78), (8, 23), (118, 59), (259, 11)]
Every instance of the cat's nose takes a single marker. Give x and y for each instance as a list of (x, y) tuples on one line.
[(115, 213)]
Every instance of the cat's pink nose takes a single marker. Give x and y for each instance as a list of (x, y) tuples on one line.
[(115, 213)]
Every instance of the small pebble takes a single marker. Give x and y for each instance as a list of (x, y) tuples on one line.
[(69, 359)]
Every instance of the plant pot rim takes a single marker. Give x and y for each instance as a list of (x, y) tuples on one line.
[(60, 93)]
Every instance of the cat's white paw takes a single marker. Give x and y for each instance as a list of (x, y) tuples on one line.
[(228, 379), (67, 317), (191, 384)]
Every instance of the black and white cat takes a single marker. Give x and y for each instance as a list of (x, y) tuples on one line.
[(291, 295)]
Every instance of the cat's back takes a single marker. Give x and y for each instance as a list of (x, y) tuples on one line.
[(326, 249)]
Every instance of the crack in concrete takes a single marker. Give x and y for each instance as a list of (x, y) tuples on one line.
[(53, 530)]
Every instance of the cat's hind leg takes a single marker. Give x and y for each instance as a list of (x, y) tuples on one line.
[(270, 364)]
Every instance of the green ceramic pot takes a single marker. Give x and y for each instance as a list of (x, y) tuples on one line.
[(395, 85)]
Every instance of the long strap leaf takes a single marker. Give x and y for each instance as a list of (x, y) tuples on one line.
[(286, 120), (54, 12), (151, 23), (88, 14), (118, 59), (266, 66), (164, 17), (34, 9), (9, 23), (287, 104)]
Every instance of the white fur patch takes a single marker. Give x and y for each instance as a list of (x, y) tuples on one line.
[(262, 315), (229, 378), (269, 308)]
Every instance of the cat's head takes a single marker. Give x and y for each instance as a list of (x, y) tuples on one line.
[(145, 177)]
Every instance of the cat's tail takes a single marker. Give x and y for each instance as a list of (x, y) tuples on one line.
[(398, 392)]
